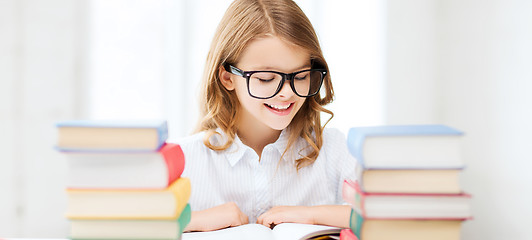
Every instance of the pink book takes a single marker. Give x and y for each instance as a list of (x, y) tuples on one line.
[(347, 234), (406, 205)]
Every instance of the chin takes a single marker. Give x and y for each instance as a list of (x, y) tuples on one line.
[(279, 126)]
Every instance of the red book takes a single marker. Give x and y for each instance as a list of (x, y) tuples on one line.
[(125, 170), (406, 205)]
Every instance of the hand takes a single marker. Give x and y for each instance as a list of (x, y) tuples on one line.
[(221, 216), (281, 214)]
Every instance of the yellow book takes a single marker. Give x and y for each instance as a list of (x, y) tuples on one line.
[(129, 204)]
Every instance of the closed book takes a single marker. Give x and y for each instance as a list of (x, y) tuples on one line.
[(409, 180), (347, 234), (125, 170), (406, 206), (129, 204), (378, 229), (106, 135), (130, 229), (406, 147)]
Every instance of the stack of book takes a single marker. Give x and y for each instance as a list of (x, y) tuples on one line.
[(407, 184), (124, 180)]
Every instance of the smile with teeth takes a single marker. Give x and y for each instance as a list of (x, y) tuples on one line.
[(279, 107)]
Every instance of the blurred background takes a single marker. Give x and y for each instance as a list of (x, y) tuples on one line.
[(463, 63)]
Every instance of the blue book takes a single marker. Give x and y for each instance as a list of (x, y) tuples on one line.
[(111, 136), (406, 147)]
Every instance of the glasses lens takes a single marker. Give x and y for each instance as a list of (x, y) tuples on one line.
[(264, 84), (308, 83)]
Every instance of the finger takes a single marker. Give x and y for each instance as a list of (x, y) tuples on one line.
[(261, 218), (264, 219), (271, 220), (244, 218)]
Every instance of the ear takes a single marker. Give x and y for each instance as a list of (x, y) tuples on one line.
[(225, 78)]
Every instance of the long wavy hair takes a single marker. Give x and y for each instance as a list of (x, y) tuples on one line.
[(244, 21)]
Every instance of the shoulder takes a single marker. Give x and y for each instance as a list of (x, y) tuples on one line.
[(197, 155), (334, 146), (192, 139), (332, 138), (193, 144)]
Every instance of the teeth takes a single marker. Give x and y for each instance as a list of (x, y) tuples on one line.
[(278, 107)]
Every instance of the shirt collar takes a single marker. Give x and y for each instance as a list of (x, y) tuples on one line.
[(299, 148), (238, 150)]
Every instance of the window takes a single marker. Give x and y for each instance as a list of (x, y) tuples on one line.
[(138, 52)]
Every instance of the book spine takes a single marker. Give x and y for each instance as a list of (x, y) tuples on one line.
[(355, 144), (175, 161), (184, 218), (162, 133), (352, 195), (181, 189), (355, 223), (347, 234)]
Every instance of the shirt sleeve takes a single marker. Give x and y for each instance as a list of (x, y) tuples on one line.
[(342, 163)]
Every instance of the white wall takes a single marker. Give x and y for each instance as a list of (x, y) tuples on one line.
[(40, 76), (468, 64), (62, 59), (486, 86), (411, 55)]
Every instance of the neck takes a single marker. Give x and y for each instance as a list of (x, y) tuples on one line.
[(257, 137)]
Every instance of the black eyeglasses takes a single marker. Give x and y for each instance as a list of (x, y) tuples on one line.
[(266, 84)]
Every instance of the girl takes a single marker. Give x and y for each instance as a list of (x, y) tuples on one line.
[(261, 153)]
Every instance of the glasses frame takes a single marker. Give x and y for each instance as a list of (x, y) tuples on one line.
[(290, 76)]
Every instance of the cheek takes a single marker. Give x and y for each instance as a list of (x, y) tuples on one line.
[(301, 102), (241, 92), (245, 100)]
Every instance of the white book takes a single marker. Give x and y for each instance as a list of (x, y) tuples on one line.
[(406, 147)]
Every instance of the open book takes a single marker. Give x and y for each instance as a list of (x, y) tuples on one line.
[(288, 231)]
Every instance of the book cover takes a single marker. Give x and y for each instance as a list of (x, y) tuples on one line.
[(108, 136), (378, 229), (131, 228), (406, 147), (125, 170), (129, 204), (406, 206)]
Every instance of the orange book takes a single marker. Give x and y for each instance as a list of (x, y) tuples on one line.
[(111, 135), (129, 204), (409, 180), (404, 229)]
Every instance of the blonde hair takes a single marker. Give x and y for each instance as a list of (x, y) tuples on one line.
[(243, 21)]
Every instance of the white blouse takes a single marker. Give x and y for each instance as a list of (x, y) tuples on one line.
[(236, 175)]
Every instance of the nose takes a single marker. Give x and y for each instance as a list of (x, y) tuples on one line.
[(286, 90)]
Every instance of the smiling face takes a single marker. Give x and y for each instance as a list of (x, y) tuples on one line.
[(267, 53)]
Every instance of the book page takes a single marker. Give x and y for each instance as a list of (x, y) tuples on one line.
[(243, 232), (297, 231)]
